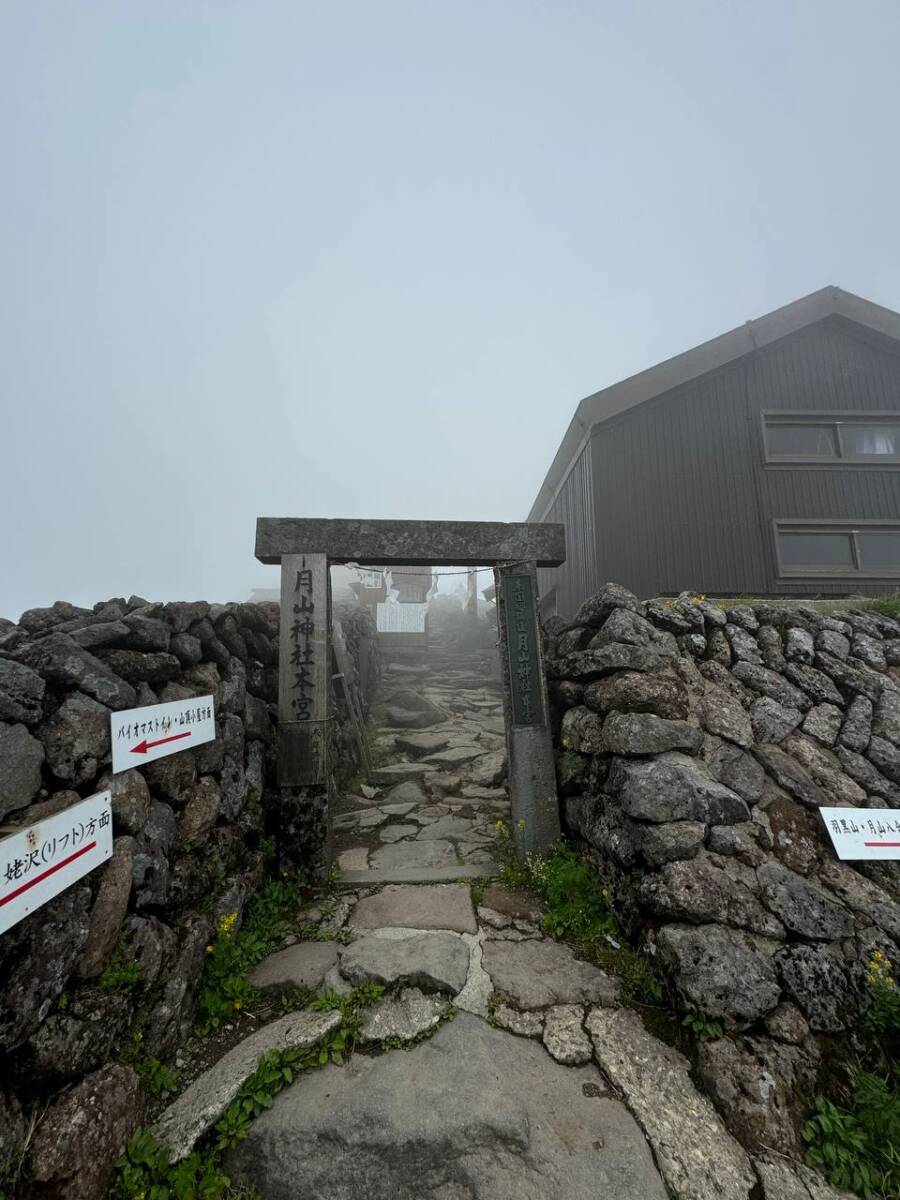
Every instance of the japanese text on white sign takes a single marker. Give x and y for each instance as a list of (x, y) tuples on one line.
[(863, 833), (140, 735)]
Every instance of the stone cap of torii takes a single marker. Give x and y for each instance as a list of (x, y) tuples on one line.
[(412, 543)]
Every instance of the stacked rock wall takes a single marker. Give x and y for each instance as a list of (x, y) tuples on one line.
[(696, 746), (193, 835)]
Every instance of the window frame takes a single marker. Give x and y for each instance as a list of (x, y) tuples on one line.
[(832, 419), (852, 528)]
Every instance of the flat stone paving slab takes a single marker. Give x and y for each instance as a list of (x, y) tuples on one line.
[(303, 965), (201, 1104), (510, 903), (473, 1113), (445, 906), (434, 960), (399, 773), (697, 1155), (413, 854), (361, 878), (404, 1016), (536, 974)]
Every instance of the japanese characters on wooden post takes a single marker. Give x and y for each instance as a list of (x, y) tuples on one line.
[(522, 647), (304, 670), (42, 860)]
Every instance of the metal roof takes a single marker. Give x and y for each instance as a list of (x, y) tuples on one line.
[(828, 301)]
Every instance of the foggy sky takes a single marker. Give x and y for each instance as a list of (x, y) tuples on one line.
[(363, 259)]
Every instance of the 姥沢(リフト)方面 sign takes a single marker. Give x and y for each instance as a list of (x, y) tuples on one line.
[(140, 735), (42, 860)]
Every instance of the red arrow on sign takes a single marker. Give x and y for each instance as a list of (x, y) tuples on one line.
[(143, 747)]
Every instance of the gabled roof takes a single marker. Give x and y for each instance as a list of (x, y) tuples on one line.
[(827, 302)]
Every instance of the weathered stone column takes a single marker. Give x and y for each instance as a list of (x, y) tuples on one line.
[(304, 690), (532, 775)]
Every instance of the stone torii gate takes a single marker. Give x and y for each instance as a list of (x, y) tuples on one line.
[(306, 548)]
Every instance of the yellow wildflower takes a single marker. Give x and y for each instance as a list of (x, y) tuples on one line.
[(238, 1004), (209, 949)]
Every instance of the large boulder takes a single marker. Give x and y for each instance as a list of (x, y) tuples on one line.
[(720, 973), (699, 891), (77, 1041), (82, 1134), (803, 907), (109, 909), (21, 756), (595, 610), (584, 665), (168, 1022), (21, 692), (67, 666), (818, 979), (645, 733), (76, 739), (630, 691), (674, 788)]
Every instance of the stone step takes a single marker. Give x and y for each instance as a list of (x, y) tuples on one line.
[(417, 874)]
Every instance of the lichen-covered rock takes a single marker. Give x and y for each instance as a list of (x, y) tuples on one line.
[(153, 946), (76, 739), (743, 645), (674, 788), (719, 972), (83, 1133), (66, 665), (801, 905), (857, 728), (886, 758), (564, 1036), (700, 892), (611, 596), (168, 1022), (173, 778), (771, 684), (109, 909), (722, 715), (799, 646), (757, 1085), (151, 857), (824, 723), (786, 1023), (130, 799), (201, 810), (77, 1041), (645, 733), (798, 838), (36, 959), (630, 691), (581, 730), (21, 756), (673, 841), (622, 625), (21, 693), (834, 643), (818, 979), (789, 774), (772, 722), (738, 771), (586, 665), (12, 1132), (815, 684)]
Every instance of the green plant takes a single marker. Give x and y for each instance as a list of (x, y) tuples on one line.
[(121, 973), (702, 1027), (640, 978), (159, 1078), (235, 952), (888, 606), (144, 1172)]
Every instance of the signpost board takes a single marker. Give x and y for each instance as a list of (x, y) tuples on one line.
[(42, 860), (140, 735), (863, 833)]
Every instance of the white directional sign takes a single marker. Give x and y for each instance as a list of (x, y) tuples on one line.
[(139, 735), (863, 833), (42, 860)]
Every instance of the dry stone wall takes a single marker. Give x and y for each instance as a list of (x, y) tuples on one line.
[(193, 836), (695, 747)]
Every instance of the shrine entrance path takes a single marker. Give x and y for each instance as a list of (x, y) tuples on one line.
[(430, 808)]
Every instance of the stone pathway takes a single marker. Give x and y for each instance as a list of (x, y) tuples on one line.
[(430, 808), (524, 1074)]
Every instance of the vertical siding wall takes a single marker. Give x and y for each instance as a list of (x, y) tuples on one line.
[(574, 507), (682, 496)]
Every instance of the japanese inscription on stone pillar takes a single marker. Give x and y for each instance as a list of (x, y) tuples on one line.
[(303, 669), (521, 640)]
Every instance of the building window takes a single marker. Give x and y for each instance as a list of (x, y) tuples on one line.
[(845, 549), (832, 438)]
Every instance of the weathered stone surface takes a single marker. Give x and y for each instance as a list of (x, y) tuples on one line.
[(405, 1016), (772, 722), (535, 974), (824, 723), (645, 733), (833, 643), (699, 892), (738, 771), (786, 1023), (434, 961), (414, 854), (695, 1153), (82, 1134), (12, 1132), (456, 756), (40, 620), (203, 1102), (136, 667), (585, 665), (722, 715), (36, 959), (186, 648), (64, 664), (564, 1035), (816, 684), (169, 1021), (151, 861), (471, 1112), (851, 677), (817, 978), (21, 692), (788, 773), (886, 758), (173, 778), (783, 1180), (109, 909), (799, 646), (769, 683), (303, 965), (523, 1024), (440, 906), (75, 1042), (130, 798), (410, 791), (573, 639), (420, 745), (797, 833), (675, 840), (862, 895), (399, 772), (622, 625), (719, 972), (869, 650), (153, 946), (886, 721), (756, 1086), (597, 608), (489, 770), (804, 907), (21, 756), (630, 691), (582, 730), (825, 769), (396, 833), (76, 739), (675, 788)]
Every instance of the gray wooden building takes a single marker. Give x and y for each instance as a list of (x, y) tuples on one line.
[(764, 462)]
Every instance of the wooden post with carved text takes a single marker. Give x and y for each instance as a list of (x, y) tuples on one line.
[(304, 671)]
